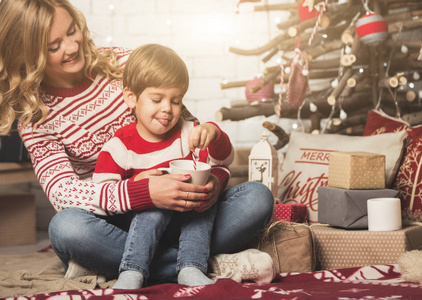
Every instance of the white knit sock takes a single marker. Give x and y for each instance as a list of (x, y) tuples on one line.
[(129, 280), (192, 276), (251, 264)]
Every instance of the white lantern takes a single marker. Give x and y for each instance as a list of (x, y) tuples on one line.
[(263, 164)]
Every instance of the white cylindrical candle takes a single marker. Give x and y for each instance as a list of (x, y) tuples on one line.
[(384, 214)]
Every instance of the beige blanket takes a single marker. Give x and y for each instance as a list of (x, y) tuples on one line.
[(36, 273)]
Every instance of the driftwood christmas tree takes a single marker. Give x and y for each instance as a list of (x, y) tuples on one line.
[(370, 51)]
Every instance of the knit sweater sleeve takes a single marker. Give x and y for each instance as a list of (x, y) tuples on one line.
[(64, 188)]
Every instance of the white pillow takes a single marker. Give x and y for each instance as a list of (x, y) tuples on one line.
[(305, 166)]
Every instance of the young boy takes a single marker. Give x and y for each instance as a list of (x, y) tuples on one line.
[(155, 80)]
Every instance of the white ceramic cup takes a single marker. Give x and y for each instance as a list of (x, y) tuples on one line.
[(384, 214), (199, 176)]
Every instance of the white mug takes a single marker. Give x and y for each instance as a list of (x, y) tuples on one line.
[(384, 214), (199, 176)]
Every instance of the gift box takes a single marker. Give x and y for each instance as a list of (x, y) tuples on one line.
[(295, 212), (17, 219), (347, 208), (356, 170), (290, 246), (340, 248)]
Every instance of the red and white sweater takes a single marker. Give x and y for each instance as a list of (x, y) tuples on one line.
[(65, 147), (127, 153)]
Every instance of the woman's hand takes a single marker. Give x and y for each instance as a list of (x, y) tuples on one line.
[(172, 192), (213, 186), (148, 174), (202, 135)]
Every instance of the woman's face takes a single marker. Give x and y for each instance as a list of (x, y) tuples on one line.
[(65, 59)]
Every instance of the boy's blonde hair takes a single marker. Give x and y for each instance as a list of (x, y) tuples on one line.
[(24, 30), (154, 65)]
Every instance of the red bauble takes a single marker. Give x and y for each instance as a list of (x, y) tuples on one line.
[(372, 29), (263, 95), (305, 12)]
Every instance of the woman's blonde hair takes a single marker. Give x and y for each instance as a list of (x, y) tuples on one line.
[(154, 65), (24, 29)]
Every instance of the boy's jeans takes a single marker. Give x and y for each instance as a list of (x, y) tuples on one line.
[(147, 228)]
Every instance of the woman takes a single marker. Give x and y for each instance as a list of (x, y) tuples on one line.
[(67, 96)]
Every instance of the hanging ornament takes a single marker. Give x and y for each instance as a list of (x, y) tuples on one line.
[(372, 29), (265, 94), (307, 10), (298, 82), (404, 49)]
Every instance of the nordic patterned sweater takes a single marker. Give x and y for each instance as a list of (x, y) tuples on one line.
[(127, 153), (65, 147)]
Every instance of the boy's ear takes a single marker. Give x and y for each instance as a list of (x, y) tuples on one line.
[(129, 97)]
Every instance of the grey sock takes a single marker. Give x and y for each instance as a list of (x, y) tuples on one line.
[(129, 280), (192, 276)]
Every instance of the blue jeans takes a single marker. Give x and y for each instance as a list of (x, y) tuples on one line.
[(98, 242), (147, 227)]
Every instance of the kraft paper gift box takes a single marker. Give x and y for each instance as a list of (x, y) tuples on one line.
[(338, 248), (17, 219), (294, 212), (347, 208), (290, 246), (356, 170)]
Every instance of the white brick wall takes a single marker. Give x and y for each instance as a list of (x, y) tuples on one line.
[(201, 32)]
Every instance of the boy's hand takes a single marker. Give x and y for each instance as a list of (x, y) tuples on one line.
[(202, 135), (148, 174)]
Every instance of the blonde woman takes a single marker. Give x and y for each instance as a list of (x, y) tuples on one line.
[(67, 96)]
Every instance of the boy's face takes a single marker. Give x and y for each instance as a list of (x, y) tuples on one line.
[(157, 110)]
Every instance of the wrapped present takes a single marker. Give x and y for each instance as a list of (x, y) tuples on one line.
[(341, 248), (290, 246), (347, 208), (356, 170), (295, 212)]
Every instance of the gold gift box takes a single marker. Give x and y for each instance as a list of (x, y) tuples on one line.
[(356, 170), (341, 248)]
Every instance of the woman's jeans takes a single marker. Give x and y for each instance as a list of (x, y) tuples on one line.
[(148, 226), (99, 242)]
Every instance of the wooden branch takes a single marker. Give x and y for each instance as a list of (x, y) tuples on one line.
[(323, 49), (347, 123), (396, 17), (267, 79), (415, 44), (233, 84), (283, 137), (404, 25), (291, 21), (353, 83), (243, 112), (293, 31), (333, 63), (340, 86), (315, 118), (413, 118), (350, 58), (258, 51), (281, 6), (273, 74)]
